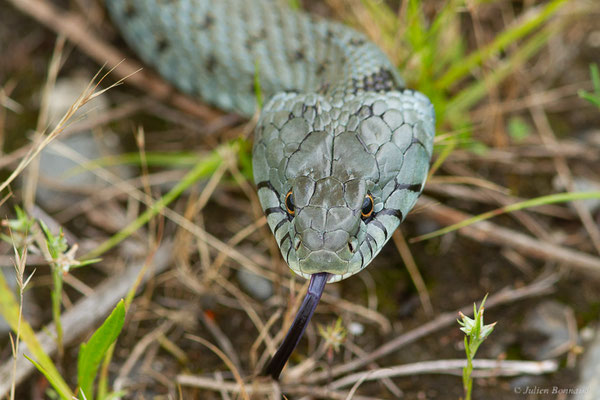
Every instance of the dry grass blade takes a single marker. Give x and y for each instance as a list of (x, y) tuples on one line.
[(19, 265), (88, 94), (488, 368), (413, 270), (266, 389), (227, 361), (485, 231)]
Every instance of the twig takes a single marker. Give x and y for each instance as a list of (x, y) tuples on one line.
[(359, 310), (413, 271), (539, 287), (488, 368), (485, 231), (258, 388), (227, 361), (222, 339), (564, 172), (138, 351)]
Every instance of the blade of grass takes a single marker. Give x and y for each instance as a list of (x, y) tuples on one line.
[(92, 352), (89, 93), (9, 309), (449, 146), (201, 170), (509, 36), (153, 159), (538, 201), (476, 91), (593, 97), (102, 387)]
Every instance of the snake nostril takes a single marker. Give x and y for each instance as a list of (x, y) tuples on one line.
[(350, 247), (297, 244)]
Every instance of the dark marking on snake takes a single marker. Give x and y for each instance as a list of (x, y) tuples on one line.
[(129, 10), (362, 258), (254, 39), (357, 41), (211, 63), (321, 68), (382, 80), (324, 88), (287, 255), (391, 211), (208, 23), (369, 244), (298, 56), (415, 187), (272, 210), (279, 225), (417, 141), (161, 44), (266, 185), (380, 226), (284, 238)]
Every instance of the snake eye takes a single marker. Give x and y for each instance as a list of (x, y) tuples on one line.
[(289, 204), (367, 207)]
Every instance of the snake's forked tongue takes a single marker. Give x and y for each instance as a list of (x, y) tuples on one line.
[(313, 295)]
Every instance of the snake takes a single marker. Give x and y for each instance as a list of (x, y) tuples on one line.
[(341, 148)]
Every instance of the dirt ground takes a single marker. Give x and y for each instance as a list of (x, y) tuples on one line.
[(540, 266)]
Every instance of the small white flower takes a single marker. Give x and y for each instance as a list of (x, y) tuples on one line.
[(67, 260), (475, 326)]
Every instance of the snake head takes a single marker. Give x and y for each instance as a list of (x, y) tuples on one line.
[(326, 223), (335, 178)]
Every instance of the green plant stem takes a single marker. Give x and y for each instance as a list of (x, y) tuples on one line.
[(538, 201), (56, 295), (467, 372)]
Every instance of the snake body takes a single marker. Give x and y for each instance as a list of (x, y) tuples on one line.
[(341, 149)]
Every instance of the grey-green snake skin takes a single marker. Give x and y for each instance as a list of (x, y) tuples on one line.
[(339, 135)]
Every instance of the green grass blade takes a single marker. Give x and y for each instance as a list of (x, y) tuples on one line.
[(152, 159), (594, 97), (49, 376), (9, 309), (384, 15), (510, 36), (92, 352), (203, 169), (539, 201), (455, 109), (595, 72)]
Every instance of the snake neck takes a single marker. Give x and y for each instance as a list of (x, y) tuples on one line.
[(217, 49)]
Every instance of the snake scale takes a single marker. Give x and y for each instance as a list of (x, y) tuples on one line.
[(342, 147)]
